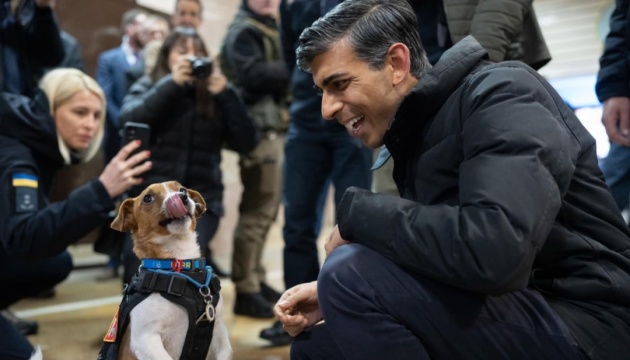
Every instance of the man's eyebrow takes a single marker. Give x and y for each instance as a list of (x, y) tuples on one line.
[(330, 78)]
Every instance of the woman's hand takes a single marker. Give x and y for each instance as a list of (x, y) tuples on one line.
[(182, 71), (298, 308), (122, 171), (334, 240), (217, 82)]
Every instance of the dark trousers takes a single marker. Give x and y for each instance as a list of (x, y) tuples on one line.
[(616, 169), (313, 159), (21, 279), (373, 309), (207, 226)]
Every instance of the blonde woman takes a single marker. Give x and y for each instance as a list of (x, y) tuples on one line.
[(62, 124)]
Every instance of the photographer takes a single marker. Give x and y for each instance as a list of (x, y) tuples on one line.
[(192, 112)]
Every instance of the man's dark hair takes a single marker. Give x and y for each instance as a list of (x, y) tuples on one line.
[(371, 26)]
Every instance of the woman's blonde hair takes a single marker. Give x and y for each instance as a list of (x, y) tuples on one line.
[(60, 85)]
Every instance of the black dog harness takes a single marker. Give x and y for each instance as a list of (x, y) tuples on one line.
[(188, 283)]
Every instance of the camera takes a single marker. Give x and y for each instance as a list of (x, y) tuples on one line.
[(201, 67)]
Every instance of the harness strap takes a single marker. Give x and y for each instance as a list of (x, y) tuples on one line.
[(109, 350), (167, 284)]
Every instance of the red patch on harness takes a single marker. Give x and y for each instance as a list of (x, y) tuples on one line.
[(113, 330)]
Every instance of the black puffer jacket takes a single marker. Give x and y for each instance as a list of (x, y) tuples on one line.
[(186, 146), (243, 55), (28, 145), (501, 191)]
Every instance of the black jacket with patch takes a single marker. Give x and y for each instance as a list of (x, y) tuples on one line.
[(28, 145), (501, 190)]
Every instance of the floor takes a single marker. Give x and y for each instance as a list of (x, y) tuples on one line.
[(73, 323)]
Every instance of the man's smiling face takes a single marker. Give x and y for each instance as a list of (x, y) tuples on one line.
[(357, 96)]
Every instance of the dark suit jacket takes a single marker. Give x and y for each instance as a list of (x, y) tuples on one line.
[(110, 74)]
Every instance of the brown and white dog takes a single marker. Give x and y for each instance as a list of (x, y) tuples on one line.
[(162, 222)]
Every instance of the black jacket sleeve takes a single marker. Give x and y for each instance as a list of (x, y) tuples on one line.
[(43, 38), (514, 172), (151, 103), (49, 229), (613, 78), (241, 133), (255, 74)]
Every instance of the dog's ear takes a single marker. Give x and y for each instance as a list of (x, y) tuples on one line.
[(200, 203), (124, 221)]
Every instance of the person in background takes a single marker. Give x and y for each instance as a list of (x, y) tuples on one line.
[(111, 74), (505, 243), (152, 33), (187, 13), (62, 124), (191, 116), (30, 41), (154, 28), (251, 56), (317, 153), (613, 90)]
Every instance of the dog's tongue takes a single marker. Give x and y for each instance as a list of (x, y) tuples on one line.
[(175, 207)]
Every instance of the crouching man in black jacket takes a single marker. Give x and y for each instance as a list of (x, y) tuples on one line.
[(506, 243)]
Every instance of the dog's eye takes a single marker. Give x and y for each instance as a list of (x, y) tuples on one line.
[(147, 199)]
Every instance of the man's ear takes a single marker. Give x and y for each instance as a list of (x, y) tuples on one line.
[(398, 57), (124, 221)]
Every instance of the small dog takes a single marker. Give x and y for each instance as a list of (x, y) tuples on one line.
[(180, 294)]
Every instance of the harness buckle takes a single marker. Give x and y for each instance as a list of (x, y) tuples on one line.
[(170, 289)]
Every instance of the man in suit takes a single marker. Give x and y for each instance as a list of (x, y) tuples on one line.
[(110, 74)]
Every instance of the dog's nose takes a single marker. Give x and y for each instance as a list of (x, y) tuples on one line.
[(184, 198)]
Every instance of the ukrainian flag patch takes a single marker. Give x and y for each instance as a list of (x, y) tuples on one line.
[(24, 180), (25, 188)]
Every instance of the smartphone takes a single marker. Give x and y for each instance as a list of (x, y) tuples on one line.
[(137, 131)]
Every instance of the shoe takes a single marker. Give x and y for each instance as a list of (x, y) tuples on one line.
[(217, 270), (276, 335), (25, 327), (46, 294), (269, 293), (253, 305), (108, 274)]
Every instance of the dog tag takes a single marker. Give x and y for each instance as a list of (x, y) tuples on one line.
[(208, 315), (210, 312)]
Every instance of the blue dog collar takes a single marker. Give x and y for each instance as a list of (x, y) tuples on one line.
[(174, 264)]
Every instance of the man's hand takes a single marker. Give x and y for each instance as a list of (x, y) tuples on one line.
[(334, 240), (616, 119), (298, 308)]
